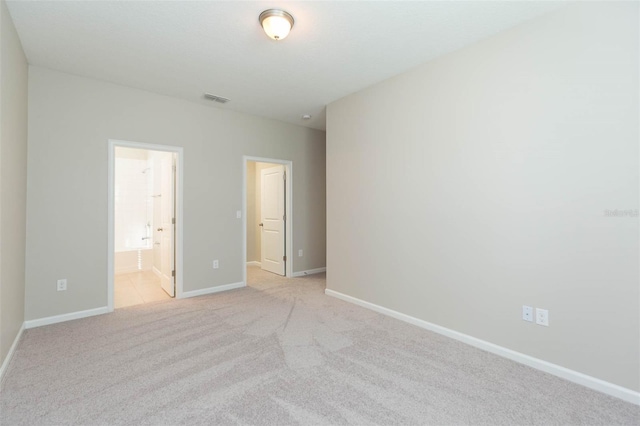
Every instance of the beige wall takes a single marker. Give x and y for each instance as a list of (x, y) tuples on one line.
[(13, 180), (253, 249), (478, 182), (71, 120)]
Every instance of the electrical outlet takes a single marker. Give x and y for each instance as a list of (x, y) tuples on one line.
[(215, 264), (62, 284), (238, 214), (300, 253), (542, 317), (527, 313)]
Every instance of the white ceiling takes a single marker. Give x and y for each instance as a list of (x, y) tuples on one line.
[(184, 49)]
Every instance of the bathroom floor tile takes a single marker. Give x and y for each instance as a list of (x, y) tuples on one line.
[(136, 288), (126, 296)]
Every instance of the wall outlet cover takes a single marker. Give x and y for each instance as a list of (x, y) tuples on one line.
[(61, 284), (216, 265), (542, 317)]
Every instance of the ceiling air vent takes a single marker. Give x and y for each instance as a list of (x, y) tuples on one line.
[(218, 99)]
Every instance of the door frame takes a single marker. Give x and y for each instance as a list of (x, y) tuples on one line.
[(288, 167), (178, 200)]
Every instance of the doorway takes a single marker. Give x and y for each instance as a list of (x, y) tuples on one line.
[(144, 224), (268, 221)]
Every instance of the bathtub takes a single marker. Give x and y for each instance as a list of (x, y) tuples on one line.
[(133, 260)]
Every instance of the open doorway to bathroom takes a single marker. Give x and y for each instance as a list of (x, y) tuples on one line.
[(267, 208), (143, 218)]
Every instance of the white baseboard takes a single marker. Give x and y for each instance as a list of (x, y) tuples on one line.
[(7, 359), (211, 290), (309, 272), (65, 317), (156, 271), (254, 263), (557, 370)]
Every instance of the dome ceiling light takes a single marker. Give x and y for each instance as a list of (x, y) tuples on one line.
[(276, 23)]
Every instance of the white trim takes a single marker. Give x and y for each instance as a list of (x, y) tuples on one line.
[(7, 359), (179, 236), (211, 290), (254, 263), (557, 370), (309, 272), (288, 165), (156, 271), (65, 317)]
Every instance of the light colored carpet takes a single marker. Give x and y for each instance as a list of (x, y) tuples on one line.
[(279, 352)]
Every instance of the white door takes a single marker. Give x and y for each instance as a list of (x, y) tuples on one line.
[(272, 219), (166, 227), (157, 210)]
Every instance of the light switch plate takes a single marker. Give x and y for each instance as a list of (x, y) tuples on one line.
[(527, 313)]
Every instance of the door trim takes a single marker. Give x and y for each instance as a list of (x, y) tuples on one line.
[(288, 167), (178, 238)]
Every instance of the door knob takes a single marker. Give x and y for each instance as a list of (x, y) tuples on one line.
[(261, 224), (160, 229)]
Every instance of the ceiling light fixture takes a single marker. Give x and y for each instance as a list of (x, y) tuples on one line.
[(276, 23)]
